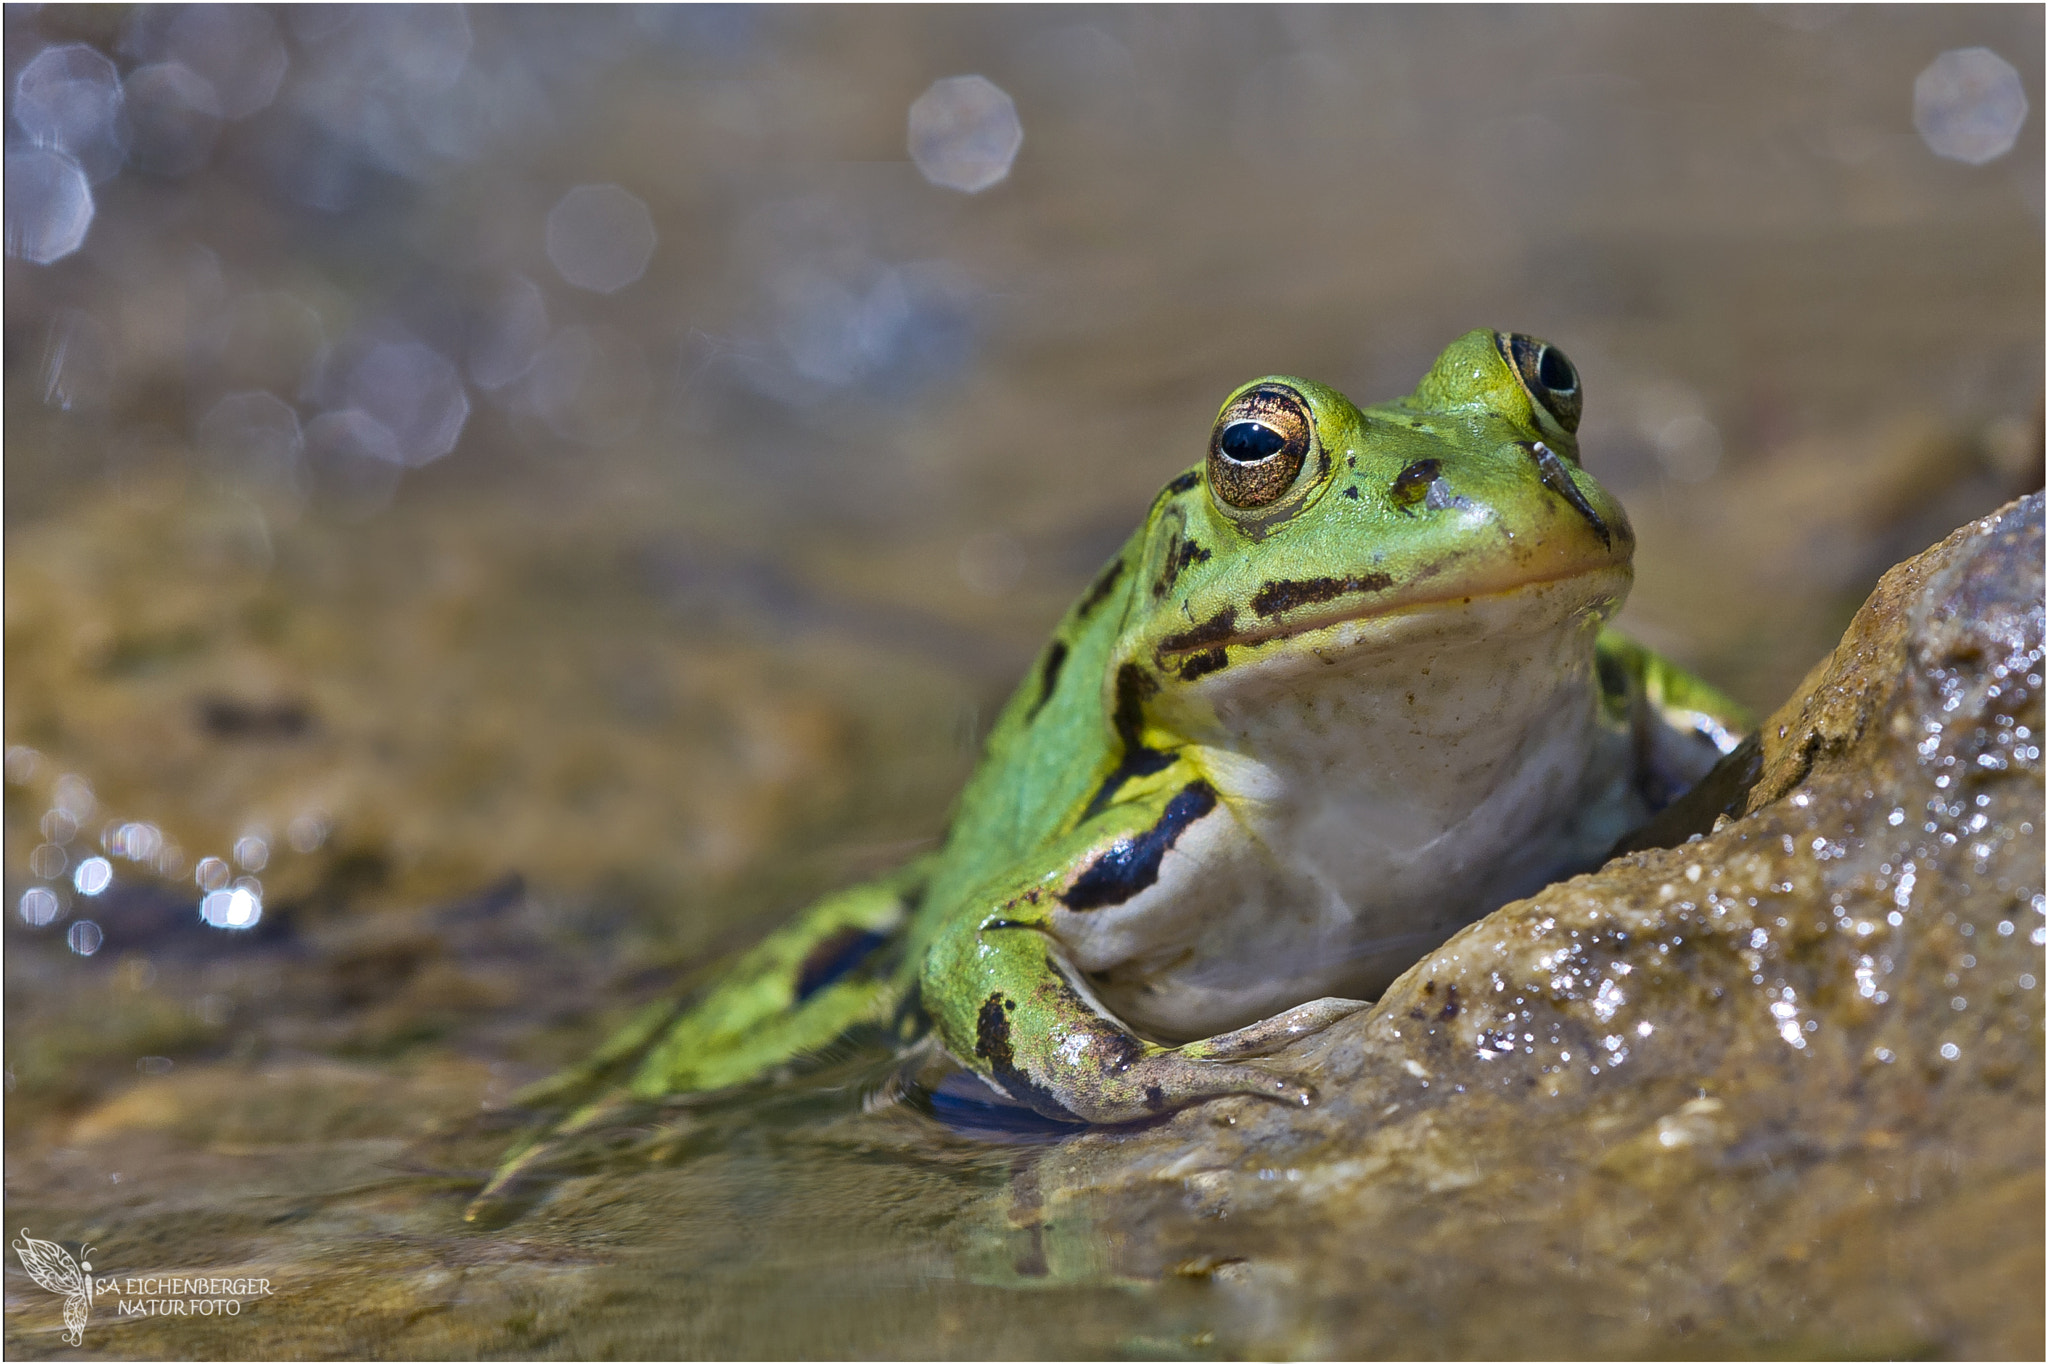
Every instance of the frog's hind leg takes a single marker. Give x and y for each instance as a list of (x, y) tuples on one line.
[(828, 971)]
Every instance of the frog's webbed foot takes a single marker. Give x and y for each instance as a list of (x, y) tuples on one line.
[(1159, 1084), (1173, 1078), (1269, 1035), (1011, 1006)]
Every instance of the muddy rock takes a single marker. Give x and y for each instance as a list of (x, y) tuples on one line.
[(1774, 1090)]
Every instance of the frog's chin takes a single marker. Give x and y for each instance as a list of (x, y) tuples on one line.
[(1389, 631)]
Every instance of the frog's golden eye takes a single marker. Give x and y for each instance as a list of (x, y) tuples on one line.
[(1551, 379), (1259, 446)]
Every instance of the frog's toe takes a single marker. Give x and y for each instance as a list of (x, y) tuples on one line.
[(1269, 1035), (1159, 1084)]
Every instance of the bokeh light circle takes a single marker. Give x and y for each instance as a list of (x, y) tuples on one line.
[(600, 237), (1969, 105), (49, 204), (964, 133)]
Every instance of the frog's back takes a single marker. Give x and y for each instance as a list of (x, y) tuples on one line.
[(1053, 747)]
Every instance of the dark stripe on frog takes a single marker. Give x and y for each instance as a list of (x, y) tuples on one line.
[(1212, 631), (1274, 598), (1558, 479), (1185, 481), (1200, 648), (834, 958), (1134, 686), (1132, 864), (1048, 677), (992, 1047), (1099, 589), (1179, 554)]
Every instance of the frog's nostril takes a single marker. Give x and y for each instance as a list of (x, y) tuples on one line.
[(1412, 483)]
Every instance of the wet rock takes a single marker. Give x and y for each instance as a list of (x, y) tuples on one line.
[(1775, 1090)]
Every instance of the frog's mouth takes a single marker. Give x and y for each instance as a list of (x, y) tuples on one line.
[(1289, 610)]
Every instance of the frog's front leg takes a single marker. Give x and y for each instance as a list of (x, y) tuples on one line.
[(1008, 1003)]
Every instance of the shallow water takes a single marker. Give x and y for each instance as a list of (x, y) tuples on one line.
[(721, 574)]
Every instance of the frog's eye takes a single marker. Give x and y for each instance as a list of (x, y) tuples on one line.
[(1259, 446), (1551, 380)]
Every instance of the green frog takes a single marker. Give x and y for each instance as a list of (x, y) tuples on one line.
[(1346, 689)]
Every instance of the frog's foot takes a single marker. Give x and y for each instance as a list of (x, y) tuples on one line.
[(1009, 1004), (1269, 1035), (1161, 1083), (1166, 1079)]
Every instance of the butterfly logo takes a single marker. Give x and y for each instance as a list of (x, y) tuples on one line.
[(50, 1265)]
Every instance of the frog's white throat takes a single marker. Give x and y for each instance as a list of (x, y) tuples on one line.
[(1384, 797), (1437, 701), (1465, 741)]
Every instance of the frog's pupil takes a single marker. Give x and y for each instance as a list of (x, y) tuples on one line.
[(1555, 371), (1249, 442)]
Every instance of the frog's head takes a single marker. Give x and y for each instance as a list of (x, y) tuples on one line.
[(1316, 533)]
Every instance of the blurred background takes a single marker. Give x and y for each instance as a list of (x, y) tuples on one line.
[(500, 502)]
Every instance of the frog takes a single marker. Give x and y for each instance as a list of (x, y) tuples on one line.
[(1348, 687)]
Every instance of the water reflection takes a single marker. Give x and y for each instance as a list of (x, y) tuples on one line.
[(308, 832), (254, 440), (136, 841), (176, 116), (236, 48), (252, 852), (1969, 105), (600, 237), (414, 393), (589, 384), (212, 873), (78, 362), (47, 861), (964, 133), (69, 97), (508, 334), (21, 764), (49, 204), (40, 906), (355, 460), (93, 876), (237, 908), (271, 340)]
